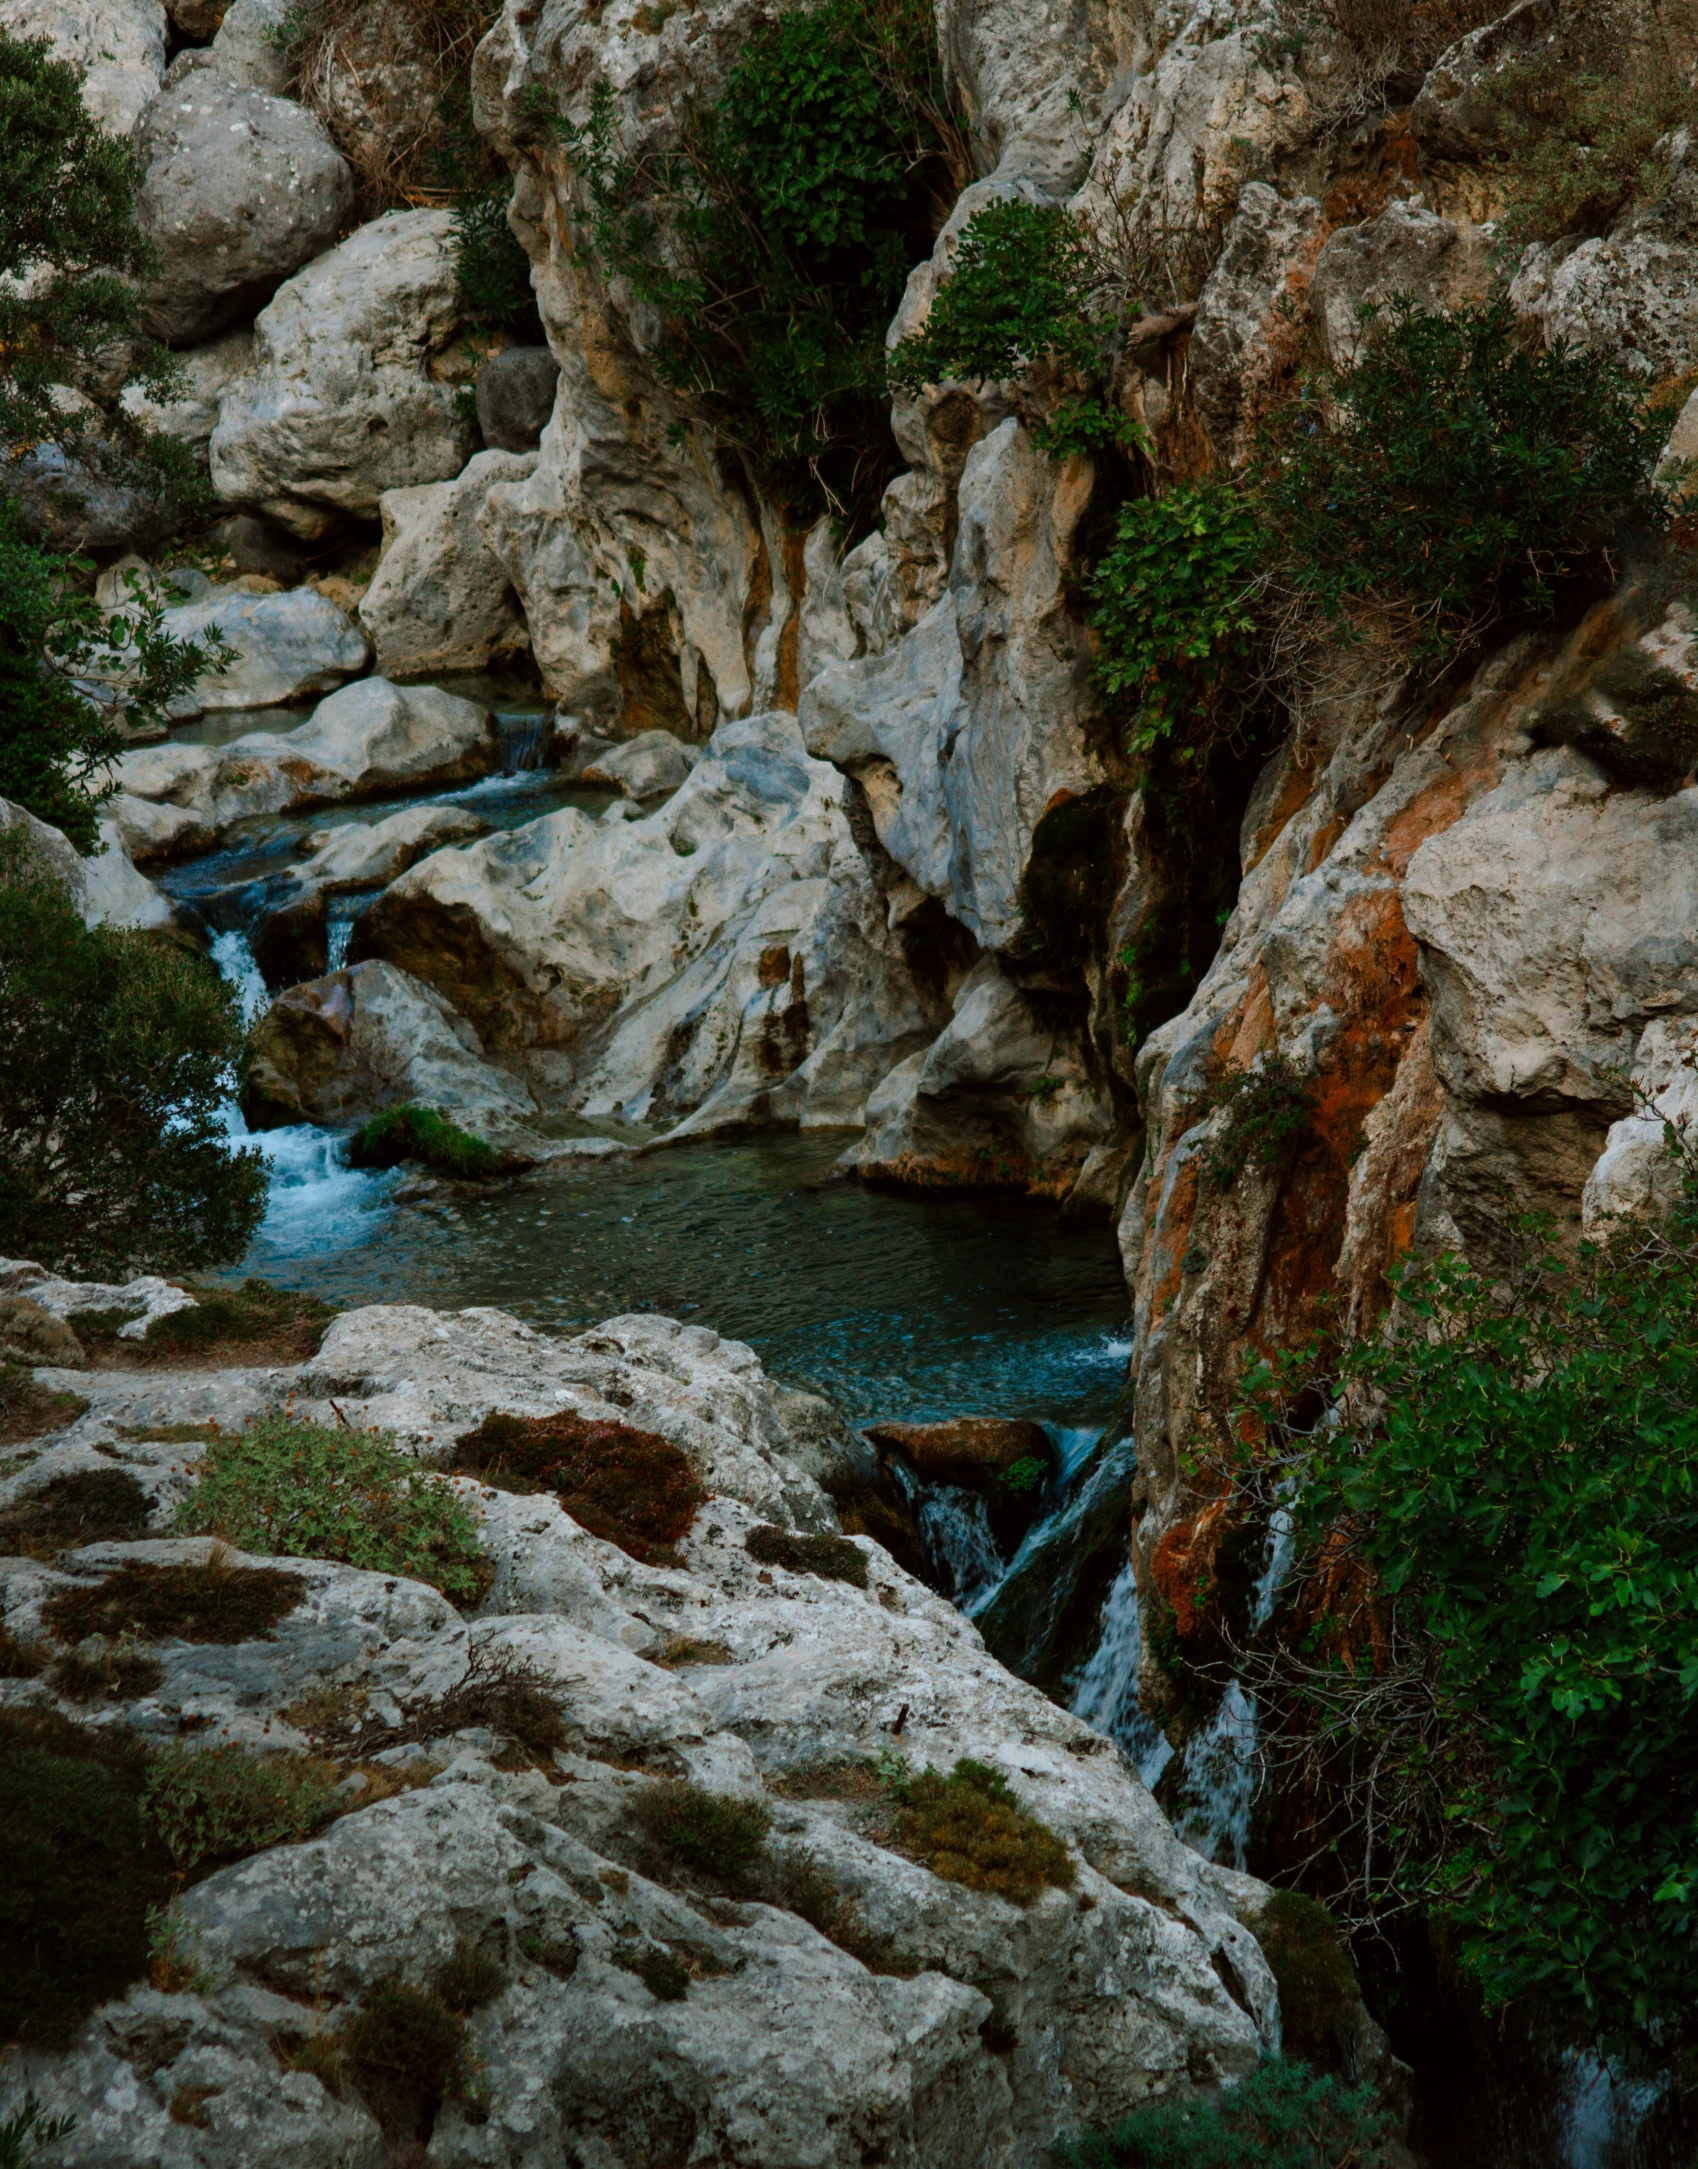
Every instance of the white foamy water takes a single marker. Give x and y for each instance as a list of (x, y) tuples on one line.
[(1107, 1693), (235, 961)]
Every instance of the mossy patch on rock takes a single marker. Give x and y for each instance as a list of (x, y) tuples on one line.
[(970, 1829), (89, 1506), (1318, 1993), (214, 1602), (832, 1558), (632, 1487), (418, 1133), (253, 1323)]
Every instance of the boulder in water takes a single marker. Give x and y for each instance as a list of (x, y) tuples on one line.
[(440, 598), (369, 855)]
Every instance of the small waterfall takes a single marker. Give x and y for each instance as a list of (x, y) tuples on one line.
[(1106, 1695), (955, 1534), (235, 961), (523, 739)]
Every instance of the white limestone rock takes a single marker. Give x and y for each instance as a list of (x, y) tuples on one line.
[(343, 402), (239, 189), (207, 373), (369, 855), (368, 738), (1408, 250), (288, 646), (106, 889), (119, 45), (647, 766), (440, 598)]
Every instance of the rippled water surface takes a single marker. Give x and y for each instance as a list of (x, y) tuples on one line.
[(892, 1306)]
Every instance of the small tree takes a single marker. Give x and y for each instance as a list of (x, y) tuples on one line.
[(118, 1056)]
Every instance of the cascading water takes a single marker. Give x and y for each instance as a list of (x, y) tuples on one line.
[(523, 740), (955, 1535)]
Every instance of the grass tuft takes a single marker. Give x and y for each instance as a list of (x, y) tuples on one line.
[(970, 1829), (634, 1488), (415, 1133), (831, 1558), (214, 1602), (710, 1833), (251, 1321), (91, 1506)]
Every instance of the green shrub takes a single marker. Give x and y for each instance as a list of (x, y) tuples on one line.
[(90, 1506), (470, 1979), (26, 2131), (78, 1872), (1282, 2116), (210, 1603), (118, 1056), (832, 1558), (415, 1133), (1263, 1109), (1317, 1986), (714, 1834), (402, 2049), (775, 240), (1575, 146), (1018, 290), (1499, 1680), (632, 1487), (1172, 603), (969, 1828), (218, 1804), (301, 1490)]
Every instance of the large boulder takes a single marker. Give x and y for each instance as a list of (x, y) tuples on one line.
[(343, 402), (106, 889), (440, 598), (117, 45), (247, 48), (1408, 251), (369, 855), (72, 503), (205, 374), (737, 956), (288, 647), (989, 2027), (369, 738), (347, 1046), (239, 189)]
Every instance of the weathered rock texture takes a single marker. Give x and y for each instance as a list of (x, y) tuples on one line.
[(785, 2048)]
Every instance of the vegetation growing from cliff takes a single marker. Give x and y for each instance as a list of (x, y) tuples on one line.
[(307, 1491), (833, 1558), (212, 1805), (1487, 1672), (774, 239), (419, 1133), (1282, 2116), (118, 1056), (968, 1827), (1262, 1110)]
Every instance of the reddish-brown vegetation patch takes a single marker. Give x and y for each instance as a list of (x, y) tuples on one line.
[(632, 1487)]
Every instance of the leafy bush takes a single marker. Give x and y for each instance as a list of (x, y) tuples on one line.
[(1018, 291), (210, 1603), (1576, 145), (832, 1558), (969, 1828), (78, 1872), (1491, 1661), (416, 1133), (26, 2131), (775, 240), (1173, 606), (220, 1804), (1457, 474), (1282, 2116), (118, 1054), (632, 1487), (712, 1833), (302, 1490), (1263, 1109)]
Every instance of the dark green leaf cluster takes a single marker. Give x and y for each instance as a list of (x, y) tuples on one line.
[(118, 1057), (1283, 2116), (1523, 1491), (419, 1133), (775, 240), (211, 1805), (301, 1490), (1262, 1110), (1018, 292)]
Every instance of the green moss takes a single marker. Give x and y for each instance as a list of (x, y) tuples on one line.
[(416, 1133), (832, 1558), (713, 1834), (1282, 2116), (209, 1603), (78, 1872), (969, 1828), (1318, 1994), (632, 1487), (307, 1491), (92, 1506), (665, 1977)]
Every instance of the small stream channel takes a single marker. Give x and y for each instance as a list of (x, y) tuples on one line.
[(895, 1309)]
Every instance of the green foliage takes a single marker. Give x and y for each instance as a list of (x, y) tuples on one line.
[(1576, 146), (1317, 1987), (1457, 474), (711, 1833), (969, 1828), (1283, 2116), (213, 1602), (1018, 293), (417, 1133), (1263, 1109), (775, 239), (304, 1491), (1029, 1473), (69, 673), (26, 2131), (218, 1804), (1173, 606), (493, 271), (78, 1872), (635, 1488), (832, 1558), (1515, 1475), (118, 1055)]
